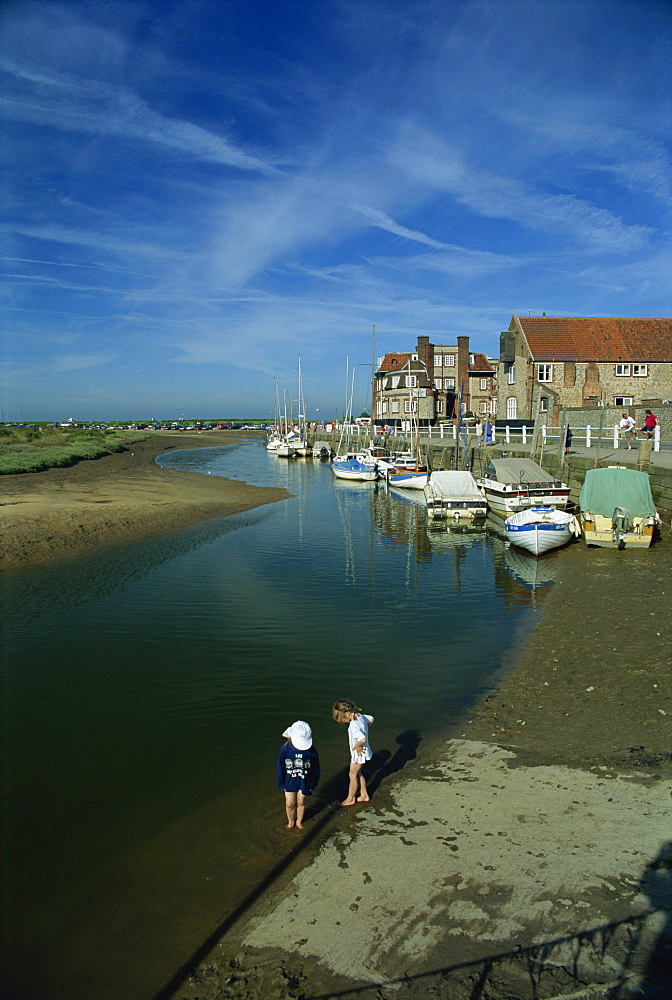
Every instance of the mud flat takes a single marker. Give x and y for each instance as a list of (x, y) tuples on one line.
[(119, 498), (528, 855)]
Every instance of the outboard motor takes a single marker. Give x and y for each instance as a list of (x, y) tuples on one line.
[(621, 524)]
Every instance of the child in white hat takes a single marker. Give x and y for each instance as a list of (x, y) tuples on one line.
[(298, 771)]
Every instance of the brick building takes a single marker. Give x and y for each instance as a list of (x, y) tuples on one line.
[(427, 383), (552, 363)]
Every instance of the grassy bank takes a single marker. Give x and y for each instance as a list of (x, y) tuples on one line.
[(33, 449)]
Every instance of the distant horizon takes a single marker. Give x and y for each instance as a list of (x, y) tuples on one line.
[(196, 196)]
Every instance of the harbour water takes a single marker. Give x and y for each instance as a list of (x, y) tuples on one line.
[(145, 691)]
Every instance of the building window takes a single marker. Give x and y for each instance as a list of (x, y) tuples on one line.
[(395, 406), (484, 407), (384, 406), (414, 357), (471, 359), (395, 381), (438, 382), (484, 383), (622, 400), (512, 408), (544, 373), (449, 361), (543, 404), (640, 370), (511, 374), (449, 383), (438, 360), (410, 406), (622, 369), (411, 381)]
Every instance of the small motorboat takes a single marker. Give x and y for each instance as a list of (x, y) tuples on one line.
[(617, 509), (512, 484), (541, 529), (454, 495)]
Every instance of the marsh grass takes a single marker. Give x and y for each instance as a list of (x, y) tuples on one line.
[(33, 449)]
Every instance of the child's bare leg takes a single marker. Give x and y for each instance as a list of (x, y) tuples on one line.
[(353, 787), (363, 792), (290, 809), (300, 809)]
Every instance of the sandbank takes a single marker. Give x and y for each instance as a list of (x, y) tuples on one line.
[(116, 499)]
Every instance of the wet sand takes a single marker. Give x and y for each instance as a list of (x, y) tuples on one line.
[(116, 499), (528, 853)]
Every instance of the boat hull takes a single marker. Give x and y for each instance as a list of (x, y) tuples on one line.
[(505, 500), (599, 531), (541, 529), (354, 471), (408, 480)]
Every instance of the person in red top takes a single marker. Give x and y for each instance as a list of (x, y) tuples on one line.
[(650, 423)]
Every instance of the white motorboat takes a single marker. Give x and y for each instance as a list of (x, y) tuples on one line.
[(454, 494), (512, 484), (617, 509), (540, 529)]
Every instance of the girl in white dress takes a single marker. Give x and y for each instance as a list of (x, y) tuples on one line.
[(347, 713)]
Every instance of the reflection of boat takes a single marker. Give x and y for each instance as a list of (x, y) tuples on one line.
[(351, 468), (448, 534), (454, 495), (533, 573), (617, 509), (540, 529), (511, 484)]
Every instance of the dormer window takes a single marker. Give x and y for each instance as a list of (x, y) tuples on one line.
[(544, 373)]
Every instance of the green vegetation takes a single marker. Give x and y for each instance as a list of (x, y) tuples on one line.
[(40, 446)]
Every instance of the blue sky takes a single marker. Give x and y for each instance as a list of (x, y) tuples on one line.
[(198, 193)]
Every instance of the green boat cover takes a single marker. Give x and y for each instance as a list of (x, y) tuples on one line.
[(605, 489)]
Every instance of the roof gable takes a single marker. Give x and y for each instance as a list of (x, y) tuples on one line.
[(567, 338)]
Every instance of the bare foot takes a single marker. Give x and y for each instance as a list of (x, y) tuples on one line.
[(363, 798), (299, 826), (348, 802), (290, 826)]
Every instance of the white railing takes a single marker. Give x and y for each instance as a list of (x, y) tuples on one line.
[(590, 436)]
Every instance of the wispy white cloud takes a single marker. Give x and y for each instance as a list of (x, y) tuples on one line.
[(439, 167), (92, 106), (77, 362)]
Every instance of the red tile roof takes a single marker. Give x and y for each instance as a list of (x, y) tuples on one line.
[(393, 362), (567, 338), (481, 363)]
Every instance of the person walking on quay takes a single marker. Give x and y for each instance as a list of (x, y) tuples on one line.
[(298, 771), (568, 439), (650, 423), (628, 428), (346, 713)]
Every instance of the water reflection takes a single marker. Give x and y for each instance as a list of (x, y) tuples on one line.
[(131, 676)]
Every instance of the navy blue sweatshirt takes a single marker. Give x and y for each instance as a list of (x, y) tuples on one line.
[(298, 770)]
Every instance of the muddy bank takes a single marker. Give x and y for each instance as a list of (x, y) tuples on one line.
[(119, 498), (528, 856)]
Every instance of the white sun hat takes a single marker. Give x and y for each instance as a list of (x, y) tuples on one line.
[(300, 734)]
